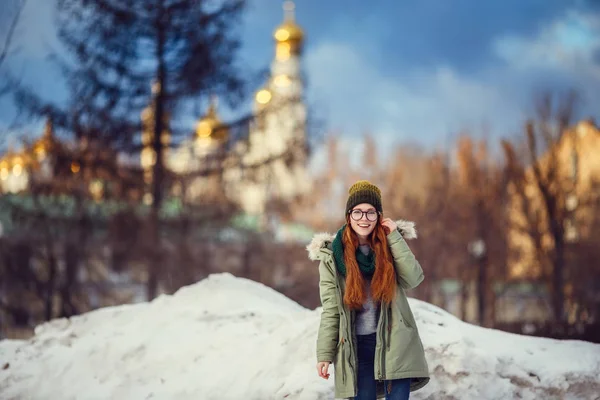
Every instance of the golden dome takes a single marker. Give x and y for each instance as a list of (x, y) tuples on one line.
[(47, 142), (210, 126), (289, 33)]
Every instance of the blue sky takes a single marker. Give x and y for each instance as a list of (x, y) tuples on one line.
[(402, 70)]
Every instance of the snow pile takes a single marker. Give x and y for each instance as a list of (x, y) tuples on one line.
[(229, 338)]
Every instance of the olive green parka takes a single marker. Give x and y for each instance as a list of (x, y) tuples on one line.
[(399, 351)]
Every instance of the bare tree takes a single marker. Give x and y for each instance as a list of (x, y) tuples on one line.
[(420, 187), (541, 187), (182, 49), (483, 192), (10, 20)]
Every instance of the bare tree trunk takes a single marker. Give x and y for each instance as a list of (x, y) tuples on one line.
[(158, 169), (492, 309), (7, 43), (72, 260), (482, 285), (558, 299), (464, 295), (482, 261), (50, 284)]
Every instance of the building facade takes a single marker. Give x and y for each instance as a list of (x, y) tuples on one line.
[(576, 163), (571, 174), (268, 162)]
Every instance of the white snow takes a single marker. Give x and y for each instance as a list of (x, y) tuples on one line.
[(230, 338)]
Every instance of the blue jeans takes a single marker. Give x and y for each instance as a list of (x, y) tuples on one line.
[(397, 389)]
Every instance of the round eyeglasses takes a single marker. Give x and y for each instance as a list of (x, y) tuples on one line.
[(358, 214)]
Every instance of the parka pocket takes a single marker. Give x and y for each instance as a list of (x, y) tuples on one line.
[(402, 314), (405, 321)]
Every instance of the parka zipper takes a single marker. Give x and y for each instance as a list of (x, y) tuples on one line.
[(381, 341), (389, 327), (343, 362)]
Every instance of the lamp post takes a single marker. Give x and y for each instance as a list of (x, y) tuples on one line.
[(477, 249)]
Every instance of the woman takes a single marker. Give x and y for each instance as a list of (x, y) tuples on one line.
[(367, 329)]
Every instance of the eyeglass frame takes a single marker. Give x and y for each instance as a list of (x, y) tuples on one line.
[(364, 213)]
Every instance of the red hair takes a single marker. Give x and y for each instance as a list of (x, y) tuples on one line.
[(383, 284)]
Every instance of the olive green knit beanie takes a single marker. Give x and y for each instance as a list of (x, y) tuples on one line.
[(364, 192)]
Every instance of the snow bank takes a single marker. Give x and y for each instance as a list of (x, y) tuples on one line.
[(229, 338)]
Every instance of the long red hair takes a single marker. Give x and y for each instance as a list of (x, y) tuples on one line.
[(383, 284)]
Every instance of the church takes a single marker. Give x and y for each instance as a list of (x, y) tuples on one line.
[(269, 161), (266, 162)]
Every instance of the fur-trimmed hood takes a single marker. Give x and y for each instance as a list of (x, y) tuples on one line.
[(407, 230)]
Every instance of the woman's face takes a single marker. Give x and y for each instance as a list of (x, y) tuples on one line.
[(363, 222)]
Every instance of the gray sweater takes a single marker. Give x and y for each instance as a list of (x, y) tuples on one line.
[(366, 319)]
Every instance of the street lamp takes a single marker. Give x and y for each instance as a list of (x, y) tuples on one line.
[(477, 249)]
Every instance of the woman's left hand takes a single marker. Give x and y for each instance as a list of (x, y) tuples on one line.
[(388, 225)]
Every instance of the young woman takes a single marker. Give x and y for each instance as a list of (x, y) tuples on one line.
[(367, 329)]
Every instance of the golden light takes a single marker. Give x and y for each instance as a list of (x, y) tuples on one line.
[(282, 80), (4, 174), (517, 271), (147, 113), (204, 129), (17, 169), (263, 96), (148, 157), (96, 189), (283, 51), (75, 167), (146, 137), (282, 34), (148, 199), (40, 151), (165, 139)]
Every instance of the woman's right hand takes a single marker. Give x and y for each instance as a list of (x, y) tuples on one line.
[(322, 368)]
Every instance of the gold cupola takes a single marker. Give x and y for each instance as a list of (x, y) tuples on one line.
[(47, 143), (289, 36), (210, 126)]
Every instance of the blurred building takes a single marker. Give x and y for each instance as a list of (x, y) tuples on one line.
[(56, 166), (267, 162), (259, 159), (578, 174), (573, 169), (33, 161)]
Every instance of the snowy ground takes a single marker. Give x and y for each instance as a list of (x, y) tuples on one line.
[(229, 338)]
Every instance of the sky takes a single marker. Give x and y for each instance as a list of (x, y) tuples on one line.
[(403, 70)]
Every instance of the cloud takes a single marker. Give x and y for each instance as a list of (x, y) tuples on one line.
[(430, 104), (566, 53), (566, 44), (423, 106)]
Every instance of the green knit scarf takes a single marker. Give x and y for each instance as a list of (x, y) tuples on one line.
[(366, 263)]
